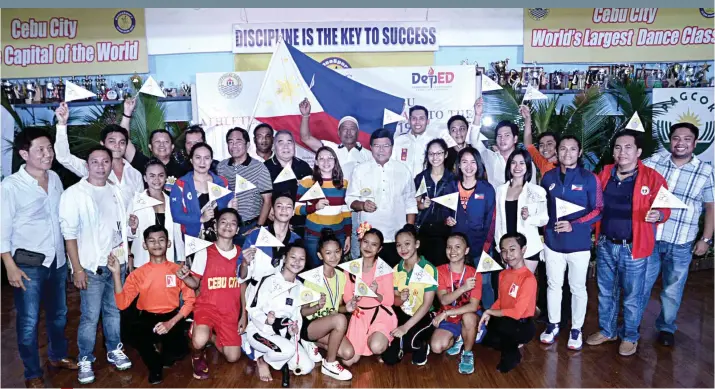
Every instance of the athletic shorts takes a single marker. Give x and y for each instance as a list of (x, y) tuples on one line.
[(225, 327), (454, 328)]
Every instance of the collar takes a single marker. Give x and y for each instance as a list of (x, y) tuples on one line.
[(614, 173), (245, 163), (693, 161), (421, 262), (27, 177), (358, 146)]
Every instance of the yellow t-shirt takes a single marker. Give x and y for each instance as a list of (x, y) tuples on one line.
[(417, 291), (333, 294)]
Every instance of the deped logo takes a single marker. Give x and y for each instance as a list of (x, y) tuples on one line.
[(432, 78)]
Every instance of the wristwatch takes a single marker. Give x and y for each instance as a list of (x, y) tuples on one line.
[(706, 240)]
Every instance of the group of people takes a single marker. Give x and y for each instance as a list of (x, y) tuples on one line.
[(412, 284)]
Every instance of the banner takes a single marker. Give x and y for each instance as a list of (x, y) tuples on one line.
[(71, 42), (341, 36), (249, 62), (444, 90), (617, 35), (692, 105)]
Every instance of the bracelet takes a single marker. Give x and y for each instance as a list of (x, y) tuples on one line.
[(78, 271), (127, 116)]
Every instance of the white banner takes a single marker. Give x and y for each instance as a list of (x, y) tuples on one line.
[(329, 37), (444, 90), (692, 105)]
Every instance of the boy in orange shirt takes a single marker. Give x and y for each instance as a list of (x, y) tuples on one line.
[(509, 321), (158, 289)]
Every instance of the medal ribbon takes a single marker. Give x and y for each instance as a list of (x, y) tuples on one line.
[(451, 282)]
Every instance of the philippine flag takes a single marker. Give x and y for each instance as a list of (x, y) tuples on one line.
[(293, 76)]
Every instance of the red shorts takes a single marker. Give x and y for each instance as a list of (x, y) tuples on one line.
[(225, 326)]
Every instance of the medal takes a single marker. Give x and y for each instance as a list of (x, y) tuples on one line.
[(333, 299), (451, 282)]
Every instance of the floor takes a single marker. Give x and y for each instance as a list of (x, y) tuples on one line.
[(688, 364)]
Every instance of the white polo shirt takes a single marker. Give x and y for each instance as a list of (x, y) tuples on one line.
[(349, 159), (410, 150), (494, 162)]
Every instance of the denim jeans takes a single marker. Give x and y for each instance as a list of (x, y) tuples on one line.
[(46, 287), (674, 261), (487, 289), (616, 269), (354, 243), (98, 298), (311, 247)]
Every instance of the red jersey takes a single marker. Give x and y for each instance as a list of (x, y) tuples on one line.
[(219, 289), (517, 293), (451, 282)]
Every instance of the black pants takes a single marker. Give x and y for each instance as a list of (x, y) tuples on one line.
[(174, 345), (418, 336), (506, 334), (389, 254), (433, 243)]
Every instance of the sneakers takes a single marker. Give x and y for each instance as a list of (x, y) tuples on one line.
[(466, 365), (335, 370), (480, 335), (598, 338), (155, 377), (119, 359), (85, 374), (575, 340), (627, 348), (201, 368), (666, 338), (312, 350), (457, 347), (419, 357), (549, 336)]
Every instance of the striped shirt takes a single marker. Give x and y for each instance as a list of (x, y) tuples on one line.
[(336, 217), (250, 202), (693, 184)]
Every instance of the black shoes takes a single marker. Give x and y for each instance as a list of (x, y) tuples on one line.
[(155, 377), (666, 338), (419, 357)]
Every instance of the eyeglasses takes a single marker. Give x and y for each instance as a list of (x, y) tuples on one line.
[(437, 154)]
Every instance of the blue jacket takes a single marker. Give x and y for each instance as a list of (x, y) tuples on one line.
[(276, 253), (579, 187), (185, 207), (477, 221), (436, 213)]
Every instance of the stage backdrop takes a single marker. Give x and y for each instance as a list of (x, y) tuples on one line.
[(444, 90), (692, 105)]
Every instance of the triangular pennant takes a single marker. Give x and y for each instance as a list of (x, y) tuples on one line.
[(307, 296), (150, 87), (450, 201), (194, 245), (488, 84), (362, 289), (444, 134), (330, 210), (315, 192), (266, 239), (382, 268), (420, 276), (279, 286), (635, 123), (389, 117), (564, 208), (487, 264), (533, 197), (422, 188), (142, 201), (75, 92), (533, 94), (263, 264), (285, 175), (243, 184), (315, 276), (217, 191), (353, 267), (666, 199)]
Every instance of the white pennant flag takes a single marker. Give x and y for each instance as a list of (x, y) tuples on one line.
[(315, 192), (217, 191), (533, 94), (75, 92), (444, 134), (285, 175), (279, 286), (488, 84), (666, 199), (450, 201), (389, 117), (142, 201), (150, 87), (635, 123), (487, 264), (564, 208), (315, 276), (266, 239), (330, 210), (362, 289), (194, 245), (422, 189), (353, 267), (420, 276), (307, 295), (263, 264), (382, 268), (243, 184)]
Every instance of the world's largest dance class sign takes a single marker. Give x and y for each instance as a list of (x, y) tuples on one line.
[(72, 42)]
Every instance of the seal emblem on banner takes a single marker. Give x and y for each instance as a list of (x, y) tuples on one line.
[(707, 12), (124, 22), (336, 63), (230, 85), (538, 13)]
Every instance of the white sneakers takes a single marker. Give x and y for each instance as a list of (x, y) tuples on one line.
[(336, 370), (312, 350), (575, 339), (550, 334)]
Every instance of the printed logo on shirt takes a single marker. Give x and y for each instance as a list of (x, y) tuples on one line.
[(170, 280), (289, 301), (188, 195), (479, 196), (577, 187), (223, 283), (552, 186), (513, 290), (645, 190), (404, 155)]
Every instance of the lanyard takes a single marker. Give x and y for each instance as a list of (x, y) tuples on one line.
[(451, 282), (333, 300)]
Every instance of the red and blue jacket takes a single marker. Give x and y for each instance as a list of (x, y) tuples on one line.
[(477, 221), (185, 208), (579, 187)]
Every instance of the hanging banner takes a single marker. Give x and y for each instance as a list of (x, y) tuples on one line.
[(48, 42), (692, 105), (617, 35), (249, 62), (444, 90), (341, 36)]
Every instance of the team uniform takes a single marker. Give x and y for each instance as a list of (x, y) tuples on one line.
[(333, 288), (449, 282)]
